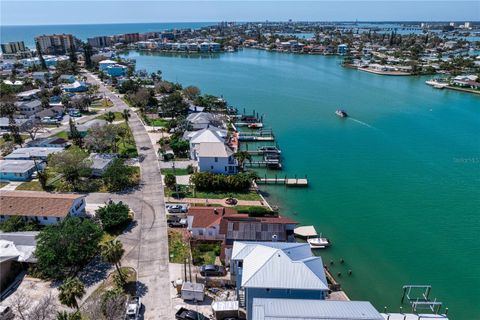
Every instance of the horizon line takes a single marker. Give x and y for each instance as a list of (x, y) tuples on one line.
[(246, 21)]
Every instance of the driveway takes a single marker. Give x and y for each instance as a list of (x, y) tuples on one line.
[(147, 244)]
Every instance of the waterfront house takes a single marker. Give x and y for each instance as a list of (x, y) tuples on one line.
[(16, 251), (32, 153), (52, 142), (342, 49), (22, 124), (43, 207), (202, 120), (261, 268), (211, 134), (29, 108), (104, 64), (116, 70), (17, 170), (271, 309), (242, 227), (204, 222), (76, 86), (215, 157)]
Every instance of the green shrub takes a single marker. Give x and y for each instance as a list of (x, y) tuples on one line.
[(17, 223), (170, 181), (259, 211), (113, 216), (206, 181)]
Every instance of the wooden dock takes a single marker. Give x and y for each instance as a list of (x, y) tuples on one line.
[(290, 182), (255, 138)]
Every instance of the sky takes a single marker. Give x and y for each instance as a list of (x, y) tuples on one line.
[(40, 12)]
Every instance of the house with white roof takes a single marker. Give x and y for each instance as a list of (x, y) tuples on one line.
[(202, 120), (260, 269), (16, 250), (33, 153), (211, 134), (215, 157)]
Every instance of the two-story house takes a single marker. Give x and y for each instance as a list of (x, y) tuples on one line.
[(210, 134), (216, 157), (276, 270)]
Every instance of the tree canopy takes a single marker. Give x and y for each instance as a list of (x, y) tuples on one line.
[(72, 163), (113, 215), (63, 249)]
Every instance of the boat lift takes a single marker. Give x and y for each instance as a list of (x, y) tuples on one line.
[(418, 297)]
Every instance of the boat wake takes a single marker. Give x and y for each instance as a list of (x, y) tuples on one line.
[(362, 123)]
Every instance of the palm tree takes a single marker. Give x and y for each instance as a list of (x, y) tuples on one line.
[(71, 290), (242, 156), (110, 116), (64, 315), (126, 115), (112, 252)]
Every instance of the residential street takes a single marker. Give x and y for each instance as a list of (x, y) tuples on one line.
[(147, 244)]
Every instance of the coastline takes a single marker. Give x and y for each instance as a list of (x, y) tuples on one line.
[(463, 89), (385, 73)]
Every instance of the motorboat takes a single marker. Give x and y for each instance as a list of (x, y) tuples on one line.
[(269, 149), (256, 125), (310, 234), (341, 113), (318, 243)]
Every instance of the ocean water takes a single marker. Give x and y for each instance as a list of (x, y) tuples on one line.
[(396, 187), (84, 31)]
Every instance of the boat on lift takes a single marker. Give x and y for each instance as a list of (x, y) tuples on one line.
[(311, 235), (255, 125)]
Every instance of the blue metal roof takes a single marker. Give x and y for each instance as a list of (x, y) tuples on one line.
[(299, 309)]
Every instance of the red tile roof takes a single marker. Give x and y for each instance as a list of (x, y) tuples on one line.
[(205, 217)]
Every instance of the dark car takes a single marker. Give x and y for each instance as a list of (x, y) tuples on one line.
[(212, 270), (185, 314)]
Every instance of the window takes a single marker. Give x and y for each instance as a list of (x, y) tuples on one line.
[(216, 159), (268, 289), (45, 218), (200, 232), (58, 219), (2, 216), (225, 169), (211, 167)]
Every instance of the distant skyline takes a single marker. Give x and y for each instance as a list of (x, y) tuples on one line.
[(41, 12)]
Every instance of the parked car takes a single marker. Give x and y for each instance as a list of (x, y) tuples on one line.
[(177, 223), (212, 270), (177, 208), (185, 314), (133, 308), (48, 120)]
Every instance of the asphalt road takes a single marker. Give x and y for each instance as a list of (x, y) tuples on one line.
[(147, 243)]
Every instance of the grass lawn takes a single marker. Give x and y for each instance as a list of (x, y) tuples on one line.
[(186, 192), (61, 134), (178, 171), (205, 252), (118, 116), (155, 122), (103, 104), (178, 249), (30, 186)]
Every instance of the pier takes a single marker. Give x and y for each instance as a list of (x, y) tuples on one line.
[(261, 135), (289, 182)]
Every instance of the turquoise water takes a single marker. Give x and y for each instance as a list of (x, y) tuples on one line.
[(396, 187), (84, 31)]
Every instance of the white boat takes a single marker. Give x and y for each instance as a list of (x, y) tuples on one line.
[(318, 243), (315, 241)]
